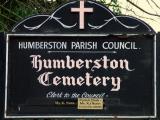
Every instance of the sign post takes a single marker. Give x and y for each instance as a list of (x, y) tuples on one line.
[(2, 76), (158, 72), (81, 61)]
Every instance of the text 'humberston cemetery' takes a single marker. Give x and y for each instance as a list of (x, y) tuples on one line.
[(81, 61)]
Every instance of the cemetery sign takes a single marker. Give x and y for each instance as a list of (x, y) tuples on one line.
[(81, 61)]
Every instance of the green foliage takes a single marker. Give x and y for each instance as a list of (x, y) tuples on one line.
[(113, 5), (13, 11)]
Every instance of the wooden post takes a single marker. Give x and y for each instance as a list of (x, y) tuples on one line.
[(2, 74), (158, 74)]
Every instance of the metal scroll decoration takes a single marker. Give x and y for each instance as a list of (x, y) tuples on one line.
[(58, 17), (51, 17)]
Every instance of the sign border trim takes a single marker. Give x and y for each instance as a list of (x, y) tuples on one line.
[(78, 116)]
